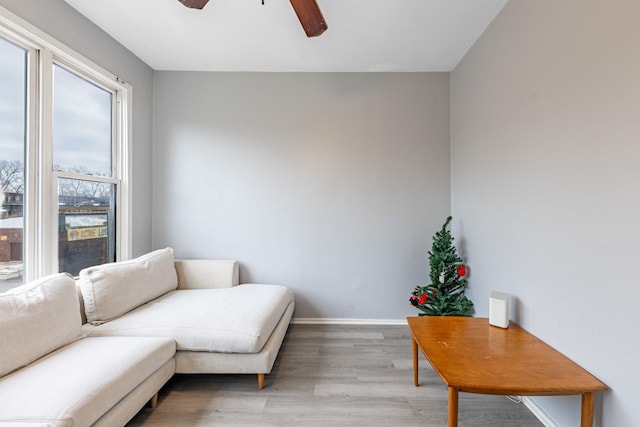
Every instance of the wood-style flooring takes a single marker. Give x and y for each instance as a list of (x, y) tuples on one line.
[(330, 375)]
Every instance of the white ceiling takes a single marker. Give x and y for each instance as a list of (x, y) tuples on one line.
[(244, 35)]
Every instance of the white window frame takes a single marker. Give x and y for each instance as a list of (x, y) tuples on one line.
[(40, 236)]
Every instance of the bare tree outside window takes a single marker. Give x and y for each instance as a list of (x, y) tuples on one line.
[(82, 188), (12, 176)]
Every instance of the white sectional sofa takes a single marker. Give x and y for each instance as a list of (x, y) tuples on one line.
[(94, 352)]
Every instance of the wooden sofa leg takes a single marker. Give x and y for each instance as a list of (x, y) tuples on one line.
[(154, 401), (260, 381)]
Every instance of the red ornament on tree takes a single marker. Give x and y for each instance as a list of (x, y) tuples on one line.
[(423, 298), (462, 270)]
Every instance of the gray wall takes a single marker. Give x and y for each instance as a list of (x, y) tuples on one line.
[(63, 23), (330, 183), (545, 184)]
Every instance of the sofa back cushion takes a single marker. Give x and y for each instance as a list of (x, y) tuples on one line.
[(111, 290), (36, 319), (206, 273)]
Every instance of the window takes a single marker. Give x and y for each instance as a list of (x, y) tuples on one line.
[(13, 102), (82, 165), (64, 190)]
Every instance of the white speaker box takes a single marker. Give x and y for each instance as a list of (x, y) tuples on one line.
[(499, 309)]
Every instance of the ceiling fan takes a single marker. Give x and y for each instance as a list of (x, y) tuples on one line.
[(308, 12)]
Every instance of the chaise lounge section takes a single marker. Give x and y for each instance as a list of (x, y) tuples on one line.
[(219, 326)]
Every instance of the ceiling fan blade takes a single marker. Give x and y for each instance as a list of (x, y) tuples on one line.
[(310, 17), (195, 4)]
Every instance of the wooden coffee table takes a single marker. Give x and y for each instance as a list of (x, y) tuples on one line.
[(472, 356)]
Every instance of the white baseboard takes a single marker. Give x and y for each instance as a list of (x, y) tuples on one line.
[(539, 413), (329, 321)]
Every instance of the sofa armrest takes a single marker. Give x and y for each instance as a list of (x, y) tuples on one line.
[(206, 273)]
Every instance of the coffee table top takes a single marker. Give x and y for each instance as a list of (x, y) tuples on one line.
[(473, 356)]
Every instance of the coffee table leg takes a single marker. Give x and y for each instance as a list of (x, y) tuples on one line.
[(414, 353), (453, 407), (588, 401)]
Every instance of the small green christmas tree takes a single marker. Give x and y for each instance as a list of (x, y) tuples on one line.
[(445, 295)]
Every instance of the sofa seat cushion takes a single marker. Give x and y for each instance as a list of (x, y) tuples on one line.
[(37, 318), (230, 320), (78, 383)]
